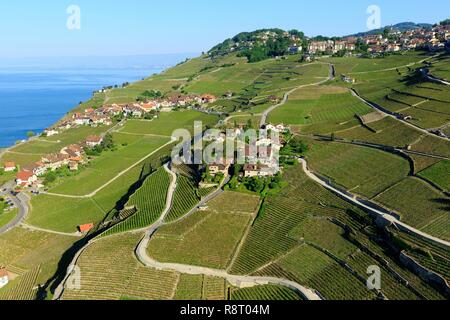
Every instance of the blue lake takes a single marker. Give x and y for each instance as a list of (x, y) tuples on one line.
[(35, 94)]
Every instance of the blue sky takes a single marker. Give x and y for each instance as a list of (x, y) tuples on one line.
[(30, 28)]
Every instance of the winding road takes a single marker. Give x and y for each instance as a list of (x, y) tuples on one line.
[(142, 256), (21, 203), (382, 215), (287, 94)]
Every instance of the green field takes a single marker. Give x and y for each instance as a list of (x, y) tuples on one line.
[(266, 293), (107, 166), (167, 123), (63, 214), (149, 201), (324, 113), (34, 257), (110, 271), (6, 216)]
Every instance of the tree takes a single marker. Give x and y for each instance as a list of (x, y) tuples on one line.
[(30, 134), (50, 177), (256, 185)]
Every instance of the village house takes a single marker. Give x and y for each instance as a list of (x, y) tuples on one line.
[(257, 170), (25, 179), (37, 168), (4, 278), (74, 150), (93, 141), (50, 132), (55, 161), (208, 98), (219, 167), (9, 166), (73, 166)]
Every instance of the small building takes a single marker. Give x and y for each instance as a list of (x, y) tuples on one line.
[(50, 132), (9, 166), (4, 278), (257, 170), (93, 141), (73, 166), (218, 167), (25, 178), (38, 168), (85, 228)]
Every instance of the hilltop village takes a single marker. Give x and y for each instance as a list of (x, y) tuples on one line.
[(270, 43)]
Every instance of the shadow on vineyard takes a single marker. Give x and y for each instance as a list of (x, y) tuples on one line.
[(60, 273), (67, 257)]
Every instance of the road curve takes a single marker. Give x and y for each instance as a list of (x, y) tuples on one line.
[(378, 213), (239, 281), (170, 192), (20, 201), (287, 94)]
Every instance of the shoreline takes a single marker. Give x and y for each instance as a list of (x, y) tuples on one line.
[(160, 70)]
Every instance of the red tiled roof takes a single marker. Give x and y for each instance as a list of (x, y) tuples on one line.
[(24, 175), (86, 227)]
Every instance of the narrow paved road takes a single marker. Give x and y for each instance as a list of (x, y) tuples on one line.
[(141, 254), (170, 192), (21, 203), (287, 94), (378, 213), (238, 281)]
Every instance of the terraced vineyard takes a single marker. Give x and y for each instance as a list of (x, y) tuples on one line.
[(173, 242), (434, 263), (271, 236), (23, 288), (149, 200), (266, 292), (110, 271), (312, 268), (419, 205), (190, 287), (185, 198)]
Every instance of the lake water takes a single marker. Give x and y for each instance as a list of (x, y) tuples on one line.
[(35, 93)]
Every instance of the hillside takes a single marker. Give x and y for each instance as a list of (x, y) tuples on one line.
[(363, 181)]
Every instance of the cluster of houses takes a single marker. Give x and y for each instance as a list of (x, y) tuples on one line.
[(435, 39), (104, 114), (71, 157), (261, 158)]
